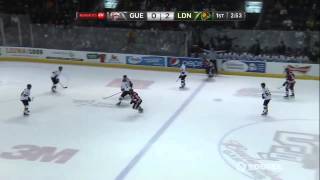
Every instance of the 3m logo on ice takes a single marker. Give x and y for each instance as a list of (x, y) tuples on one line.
[(45, 154)]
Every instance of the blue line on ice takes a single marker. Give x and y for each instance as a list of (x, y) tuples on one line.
[(122, 175)]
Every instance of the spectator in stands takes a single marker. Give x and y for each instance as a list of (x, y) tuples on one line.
[(283, 11), (255, 48), (219, 40), (282, 48), (311, 23), (212, 43), (131, 39), (287, 23), (201, 44), (228, 42)]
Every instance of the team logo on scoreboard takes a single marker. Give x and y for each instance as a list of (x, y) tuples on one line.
[(203, 16), (117, 16), (101, 15)]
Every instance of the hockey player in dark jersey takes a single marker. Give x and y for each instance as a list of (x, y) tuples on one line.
[(289, 83), (136, 101), (25, 99), (182, 77), (266, 96), (210, 68), (55, 78), (126, 86)]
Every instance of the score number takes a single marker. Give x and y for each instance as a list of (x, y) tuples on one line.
[(160, 16)]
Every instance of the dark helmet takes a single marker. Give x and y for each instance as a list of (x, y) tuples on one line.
[(60, 68), (124, 78), (287, 70), (263, 85), (131, 91), (29, 86)]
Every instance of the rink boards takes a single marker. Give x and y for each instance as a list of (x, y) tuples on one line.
[(158, 63)]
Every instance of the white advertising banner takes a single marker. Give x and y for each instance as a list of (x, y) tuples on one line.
[(22, 52), (115, 58), (53, 54), (64, 55)]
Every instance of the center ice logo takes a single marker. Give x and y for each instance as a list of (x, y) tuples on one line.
[(274, 150)]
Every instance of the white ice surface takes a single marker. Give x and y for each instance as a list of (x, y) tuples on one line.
[(190, 148)]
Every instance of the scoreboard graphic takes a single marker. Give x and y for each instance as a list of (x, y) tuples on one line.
[(163, 16)]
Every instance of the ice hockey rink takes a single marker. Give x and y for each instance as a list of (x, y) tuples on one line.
[(212, 130)]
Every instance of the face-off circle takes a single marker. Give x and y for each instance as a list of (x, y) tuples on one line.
[(278, 150)]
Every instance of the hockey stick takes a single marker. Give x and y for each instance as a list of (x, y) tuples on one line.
[(283, 85), (63, 86), (111, 95)]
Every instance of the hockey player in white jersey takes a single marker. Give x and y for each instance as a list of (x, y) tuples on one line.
[(25, 99), (183, 67), (55, 78), (183, 75), (126, 86), (266, 95)]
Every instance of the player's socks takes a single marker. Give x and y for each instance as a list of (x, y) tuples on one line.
[(26, 112), (53, 89)]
